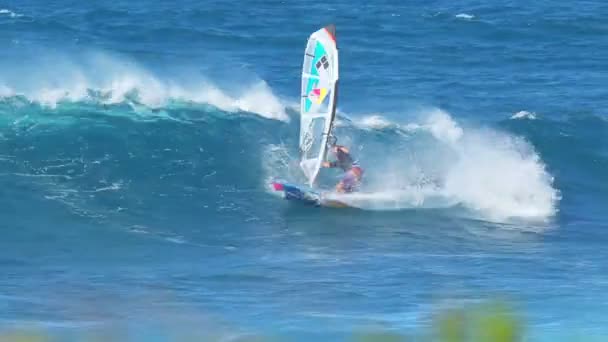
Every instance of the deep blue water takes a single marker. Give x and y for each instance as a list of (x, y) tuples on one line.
[(137, 140)]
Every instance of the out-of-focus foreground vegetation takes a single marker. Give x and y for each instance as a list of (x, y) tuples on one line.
[(494, 322)]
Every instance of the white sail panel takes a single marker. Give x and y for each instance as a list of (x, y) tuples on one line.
[(318, 103)]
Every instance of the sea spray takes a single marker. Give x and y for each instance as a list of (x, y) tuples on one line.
[(108, 79), (492, 173)]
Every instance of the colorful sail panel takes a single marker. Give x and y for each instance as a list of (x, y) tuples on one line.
[(318, 104)]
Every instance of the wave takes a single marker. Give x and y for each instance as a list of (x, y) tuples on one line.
[(443, 164), (370, 123), (4, 11), (104, 79), (432, 162), (523, 114), (465, 16), (500, 175)]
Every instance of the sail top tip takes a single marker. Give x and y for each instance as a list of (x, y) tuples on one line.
[(331, 29)]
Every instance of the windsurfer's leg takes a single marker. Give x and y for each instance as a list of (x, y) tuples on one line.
[(347, 183)]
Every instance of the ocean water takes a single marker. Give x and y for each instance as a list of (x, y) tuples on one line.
[(137, 140)]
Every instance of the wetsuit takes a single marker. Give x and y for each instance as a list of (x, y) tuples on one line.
[(343, 161), (350, 181)]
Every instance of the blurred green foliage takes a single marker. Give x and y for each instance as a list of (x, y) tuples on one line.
[(489, 322)]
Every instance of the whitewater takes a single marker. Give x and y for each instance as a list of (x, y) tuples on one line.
[(495, 174)]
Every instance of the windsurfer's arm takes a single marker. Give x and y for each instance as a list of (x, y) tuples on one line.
[(343, 149), (330, 164)]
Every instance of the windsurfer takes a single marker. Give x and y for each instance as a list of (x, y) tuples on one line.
[(352, 171)]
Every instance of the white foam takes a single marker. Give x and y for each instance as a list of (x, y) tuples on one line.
[(443, 128), (524, 115), (257, 99), (10, 13), (112, 187), (495, 174), (501, 177), (374, 121), (5, 91), (412, 197), (465, 16), (437, 122), (117, 80)]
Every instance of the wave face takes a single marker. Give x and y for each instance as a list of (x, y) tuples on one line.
[(137, 142), (434, 163)]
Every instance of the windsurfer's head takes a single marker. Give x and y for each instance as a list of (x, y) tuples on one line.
[(339, 148)]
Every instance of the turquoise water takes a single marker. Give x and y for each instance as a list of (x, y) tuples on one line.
[(137, 141)]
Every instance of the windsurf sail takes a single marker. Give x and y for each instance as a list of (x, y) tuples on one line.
[(318, 104)]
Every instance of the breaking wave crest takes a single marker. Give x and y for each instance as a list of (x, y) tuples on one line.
[(104, 79), (437, 163), (432, 162)]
